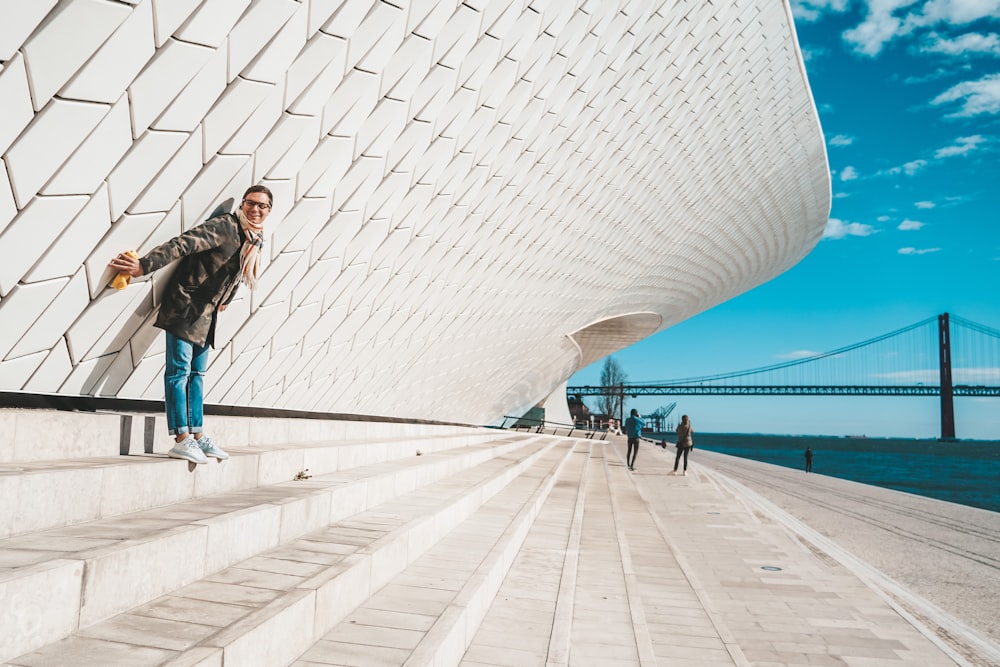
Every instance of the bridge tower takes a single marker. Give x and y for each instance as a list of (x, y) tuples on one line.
[(947, 399)]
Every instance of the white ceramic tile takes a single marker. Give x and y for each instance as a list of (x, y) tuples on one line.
[(168, 15), (409, 64), (20, 21), (163, 79), (139, 167), (347, 18), (166, 187), (140, 233), (8, 209), (52, 137), (271, 63), (211, 23), (69, 250), (292, 330), (16, 111), (20, 309), (50, 375), (31, 233), (237, 104), (325, 166), (347, 108), (257, 126), (76, 32), (188, 108), (114, 315), (256, 27), (110, 71), (315, 74), (87, 168), (377, 38), (15, 373), (212, 185)]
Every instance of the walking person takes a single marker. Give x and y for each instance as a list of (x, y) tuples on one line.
[(215, 257), (633, 430), (685, 443), (809, 459)]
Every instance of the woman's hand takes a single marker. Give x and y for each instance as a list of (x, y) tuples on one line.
[(122, 263)]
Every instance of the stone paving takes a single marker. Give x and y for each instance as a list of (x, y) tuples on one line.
[(577, 561)]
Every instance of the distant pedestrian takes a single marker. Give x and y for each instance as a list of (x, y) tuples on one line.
[(809, 459), (633, 430), (685, 443)]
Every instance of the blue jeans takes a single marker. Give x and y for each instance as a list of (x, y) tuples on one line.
[(183, 385)]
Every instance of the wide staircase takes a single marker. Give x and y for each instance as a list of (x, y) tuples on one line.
[(317, 542), (367, 544)]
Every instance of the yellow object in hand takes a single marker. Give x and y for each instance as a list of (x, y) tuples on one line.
[(121, 281)]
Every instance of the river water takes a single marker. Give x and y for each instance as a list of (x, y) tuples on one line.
[(965, 472)]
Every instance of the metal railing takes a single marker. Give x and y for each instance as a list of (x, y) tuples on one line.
[(540, 425)]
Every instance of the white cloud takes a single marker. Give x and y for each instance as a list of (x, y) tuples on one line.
[(915, 251), (838, 229), (841, 140), (978, 97), (813, 53), (887, 20), (797, 354), (879, 27), (883, 218), (955, 12), (848, 174), (909, 225), (925, 204), (813, 10), (910, 168), (971, 42), (961, 146)]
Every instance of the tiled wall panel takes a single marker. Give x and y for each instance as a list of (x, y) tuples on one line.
[(460, 187)]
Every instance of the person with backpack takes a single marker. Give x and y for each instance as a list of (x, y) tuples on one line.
[(633, 431)]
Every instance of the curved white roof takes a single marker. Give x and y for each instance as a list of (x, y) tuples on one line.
[(471, 200)]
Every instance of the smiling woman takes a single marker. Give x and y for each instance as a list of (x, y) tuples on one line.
[(215, 257)]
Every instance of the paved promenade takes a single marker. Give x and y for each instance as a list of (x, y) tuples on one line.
[(521, 550), (771, 589)]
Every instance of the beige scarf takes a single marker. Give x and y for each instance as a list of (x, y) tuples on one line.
[(250, 252)]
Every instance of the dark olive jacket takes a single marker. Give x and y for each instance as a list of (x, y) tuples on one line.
[(206, 277)]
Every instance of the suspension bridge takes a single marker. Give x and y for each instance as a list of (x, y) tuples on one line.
[(944, 356)]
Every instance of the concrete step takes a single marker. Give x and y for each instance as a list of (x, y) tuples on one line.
[(39, 495), (268, 609), (55, 435), (430, 612), (57, 581)]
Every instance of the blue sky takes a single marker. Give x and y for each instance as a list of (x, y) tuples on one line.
[(909, 100)]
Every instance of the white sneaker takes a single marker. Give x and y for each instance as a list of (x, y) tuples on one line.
[(188, 450), (685, 473), (209, 448)]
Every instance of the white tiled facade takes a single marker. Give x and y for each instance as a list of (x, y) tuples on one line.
[(472, 199)]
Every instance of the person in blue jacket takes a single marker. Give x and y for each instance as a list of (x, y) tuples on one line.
[(633, 430)]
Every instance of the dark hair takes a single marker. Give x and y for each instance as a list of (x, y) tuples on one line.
[(260, 188), (635, 413)]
